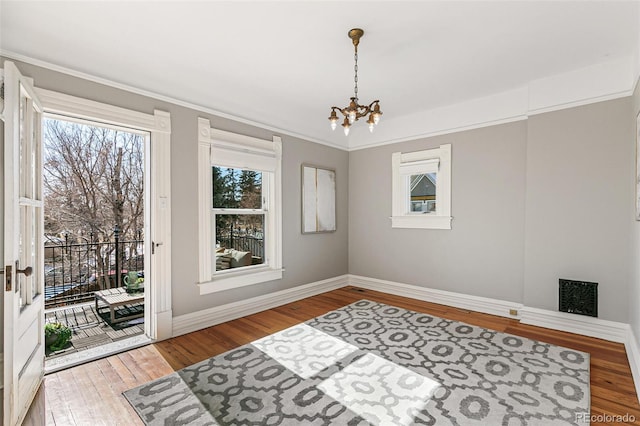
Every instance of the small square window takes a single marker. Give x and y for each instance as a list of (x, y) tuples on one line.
[(422, 189)]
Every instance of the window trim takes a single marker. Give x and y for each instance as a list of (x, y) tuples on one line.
[(210, 139), (413, 163)]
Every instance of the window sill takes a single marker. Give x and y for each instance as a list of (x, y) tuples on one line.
[(421, 222), (229, 281)]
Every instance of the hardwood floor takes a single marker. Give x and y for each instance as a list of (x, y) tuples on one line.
[(91, 394)]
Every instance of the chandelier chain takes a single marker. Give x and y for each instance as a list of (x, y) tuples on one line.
[(355, 78)]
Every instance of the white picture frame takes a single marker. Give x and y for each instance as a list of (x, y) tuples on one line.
[(318, 199)]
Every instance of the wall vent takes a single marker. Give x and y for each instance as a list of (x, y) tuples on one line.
[(579, 297)]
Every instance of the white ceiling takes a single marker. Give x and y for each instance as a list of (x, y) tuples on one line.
[(283, 64)]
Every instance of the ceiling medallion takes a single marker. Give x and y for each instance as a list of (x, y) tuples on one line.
[(354, 110)]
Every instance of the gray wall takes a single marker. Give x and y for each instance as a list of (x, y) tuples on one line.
[(483, 253), (634, 288), (533, 201), (579, 213), (306, 258)]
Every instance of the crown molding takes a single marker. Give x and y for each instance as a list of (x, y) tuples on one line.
[(199, 108), (596, 83), (609, 80)]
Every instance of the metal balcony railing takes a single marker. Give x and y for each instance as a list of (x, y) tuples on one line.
[(249, 243), (75, 271)]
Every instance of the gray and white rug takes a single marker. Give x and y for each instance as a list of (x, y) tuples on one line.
[(374, 364)]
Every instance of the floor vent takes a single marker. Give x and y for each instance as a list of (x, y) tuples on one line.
[(579, 297)]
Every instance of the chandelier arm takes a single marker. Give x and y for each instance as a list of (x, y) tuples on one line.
[(362, 111)]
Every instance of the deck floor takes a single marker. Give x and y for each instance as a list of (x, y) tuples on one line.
[(91, 329)]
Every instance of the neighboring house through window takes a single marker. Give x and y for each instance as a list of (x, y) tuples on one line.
[(422, 189), (240, 209)]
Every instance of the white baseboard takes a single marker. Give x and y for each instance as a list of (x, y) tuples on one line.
[(209, 317), (578, 324), (562, 321), (633, 355), (448, 298), (587, 326)]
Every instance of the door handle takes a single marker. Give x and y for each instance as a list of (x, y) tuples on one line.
[(8, 279), (153, 246), (26, 271)]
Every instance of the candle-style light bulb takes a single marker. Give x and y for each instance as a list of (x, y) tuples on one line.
[(346, 125), (371, 123), (377, 114), (333, 119)]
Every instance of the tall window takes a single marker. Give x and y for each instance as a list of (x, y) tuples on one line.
[(422, 189), (239, 215), (240, 209)]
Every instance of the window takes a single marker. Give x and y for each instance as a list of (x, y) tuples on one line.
[(240, 209), (422, 189), (239, 215)]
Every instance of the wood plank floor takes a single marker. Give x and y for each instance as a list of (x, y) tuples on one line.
[(90, 328), (91, 394)]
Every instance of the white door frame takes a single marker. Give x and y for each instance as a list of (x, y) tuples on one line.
[(158, 322)]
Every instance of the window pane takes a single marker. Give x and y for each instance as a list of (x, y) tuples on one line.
[(239, 240), (422, 188), (23, 148), (236, 189)]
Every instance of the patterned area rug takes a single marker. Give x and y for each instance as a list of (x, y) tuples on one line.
[(374, 364)]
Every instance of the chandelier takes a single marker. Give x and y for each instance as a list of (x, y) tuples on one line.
[(354, 110)]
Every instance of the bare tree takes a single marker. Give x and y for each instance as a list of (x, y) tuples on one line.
[(93, 180)]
